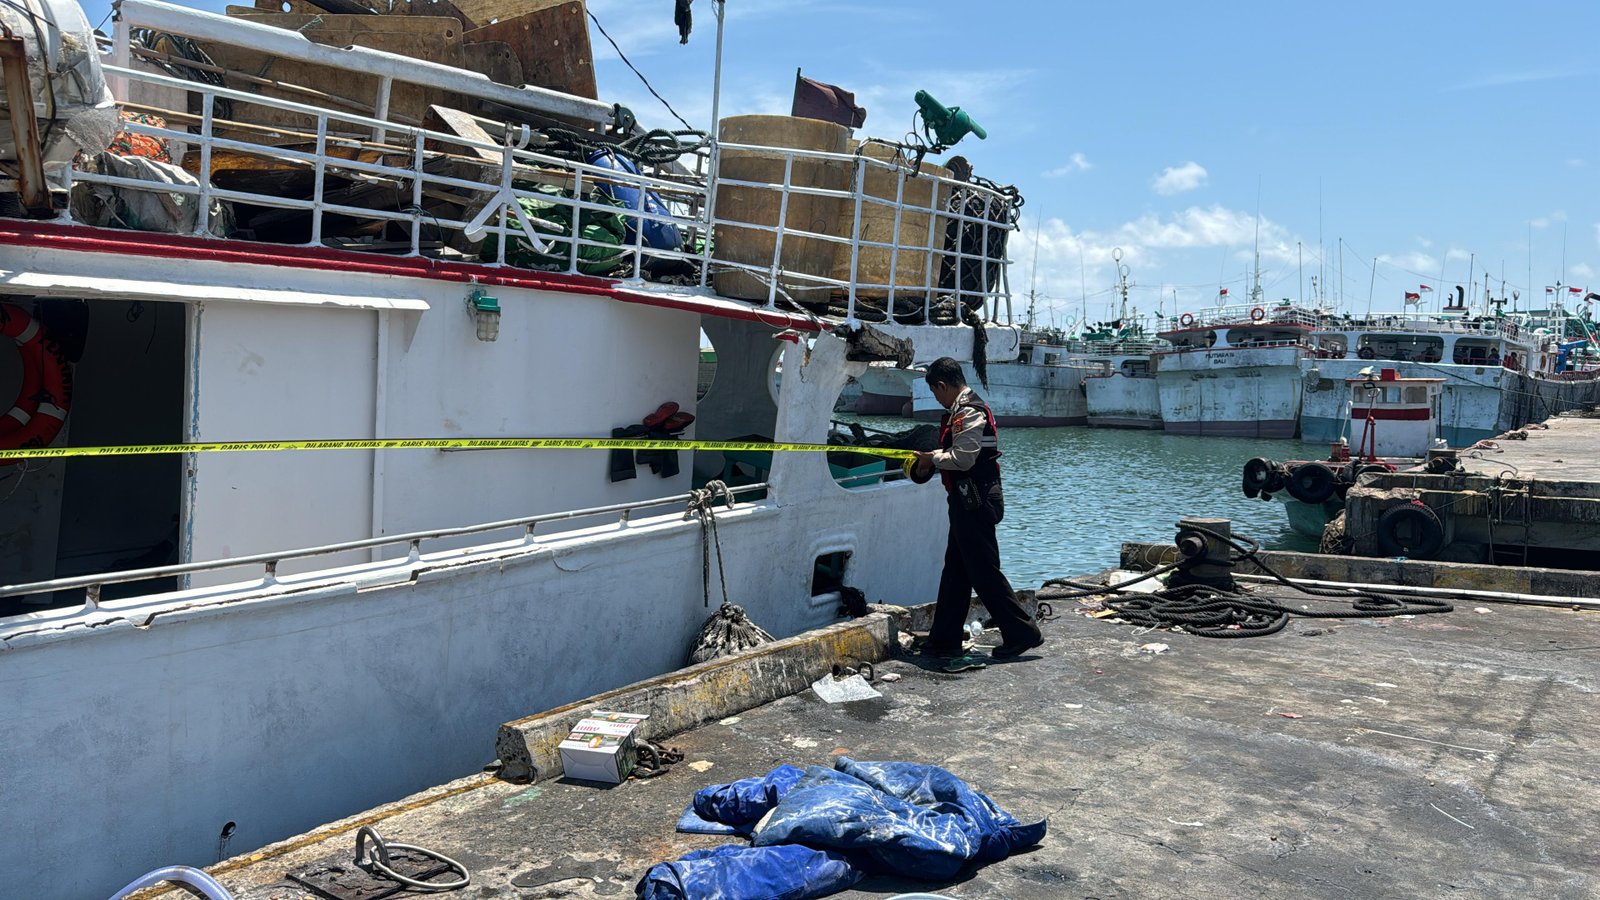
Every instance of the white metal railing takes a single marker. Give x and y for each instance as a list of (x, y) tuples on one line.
[(467, 195), (92, 584), (1263, 315), (1401, 323)]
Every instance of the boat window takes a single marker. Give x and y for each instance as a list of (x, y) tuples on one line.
[(1416, 394), (1402, 347), (1474, 352)]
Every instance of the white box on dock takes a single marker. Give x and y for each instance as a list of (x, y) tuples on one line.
[(601, 747)]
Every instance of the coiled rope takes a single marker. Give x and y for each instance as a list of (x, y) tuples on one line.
[(1216, 612)]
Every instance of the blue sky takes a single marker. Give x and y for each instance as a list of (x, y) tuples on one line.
[(1433, 133)]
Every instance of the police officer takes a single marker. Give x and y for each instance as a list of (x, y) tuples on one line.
[(968, 463)]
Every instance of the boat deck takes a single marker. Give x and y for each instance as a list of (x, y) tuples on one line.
[(1444, 755)]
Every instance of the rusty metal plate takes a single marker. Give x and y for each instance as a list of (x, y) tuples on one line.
[(346, 881)]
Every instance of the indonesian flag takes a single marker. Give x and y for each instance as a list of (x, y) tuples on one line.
[(1548, 291), (1223, 292), (1425, 288), (1413, 297), (1573, 290)]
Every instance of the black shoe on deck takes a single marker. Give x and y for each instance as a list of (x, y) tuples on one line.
[(1011, 651)]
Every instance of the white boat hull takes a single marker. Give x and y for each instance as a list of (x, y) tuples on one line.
[(1121, 401), (1243, 392), (1019, 394)]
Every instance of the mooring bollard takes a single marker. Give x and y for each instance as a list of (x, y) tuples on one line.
[(1203, 545)]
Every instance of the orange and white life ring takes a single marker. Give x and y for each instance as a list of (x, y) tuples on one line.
[(1257, 314), (40, 410), (1186, 319)]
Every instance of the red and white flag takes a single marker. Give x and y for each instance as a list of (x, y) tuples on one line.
[(1548, 291), (1424, 288), (1573, 290), (1413, 297), (1222, 292)]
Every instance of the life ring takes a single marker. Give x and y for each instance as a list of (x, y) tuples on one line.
[(1186, 319), (40, 410), (1413, 531), (1367, 353), (1257, 314), (1312, 482)]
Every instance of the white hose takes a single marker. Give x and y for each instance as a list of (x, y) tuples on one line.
[(205, 884)]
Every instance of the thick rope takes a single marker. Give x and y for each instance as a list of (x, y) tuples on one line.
[(1215, 612)]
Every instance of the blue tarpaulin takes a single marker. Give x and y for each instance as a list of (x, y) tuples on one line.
[(906, 819), (735, 808), (903, 818), (737, 872)]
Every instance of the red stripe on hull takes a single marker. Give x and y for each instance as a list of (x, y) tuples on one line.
[(81, 238), (1271, 428), (1394, 415)]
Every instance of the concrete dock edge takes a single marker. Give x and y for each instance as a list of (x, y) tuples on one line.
[(680, 700)]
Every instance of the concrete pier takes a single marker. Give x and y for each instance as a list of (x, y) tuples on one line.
[(1530, 497)]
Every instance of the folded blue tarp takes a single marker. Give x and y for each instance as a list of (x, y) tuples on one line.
[(737, 872), (903, 818), (906, 819), (735, 808)]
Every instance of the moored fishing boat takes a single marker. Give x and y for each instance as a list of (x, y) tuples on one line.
[(1234, 371), (1395, 421), (260, 640)]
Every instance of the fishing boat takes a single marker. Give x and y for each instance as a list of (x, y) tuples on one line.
[(1501, 370), (1396, 422), (204, 651), (885, 391), (1041, 388), (1234, 371)]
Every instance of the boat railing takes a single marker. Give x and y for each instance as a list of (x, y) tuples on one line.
[(1248, 345), (513, 202), (1245, 316), (93, 584), (1486, 327)]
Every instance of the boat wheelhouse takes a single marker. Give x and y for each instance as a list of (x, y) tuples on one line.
[(276, 639)]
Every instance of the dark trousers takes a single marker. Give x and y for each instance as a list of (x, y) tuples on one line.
[(972, 563)]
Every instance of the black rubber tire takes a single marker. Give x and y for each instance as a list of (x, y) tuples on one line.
[(1311, 482), (1257, 476), (1412, 531), (1276, 482), (1367, 353)]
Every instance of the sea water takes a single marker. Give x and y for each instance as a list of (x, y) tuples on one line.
[(1074, 495)]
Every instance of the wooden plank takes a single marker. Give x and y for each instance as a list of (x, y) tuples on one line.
[(494, 59), (445, 8), (487, 12), (552, 44), (431, 38)]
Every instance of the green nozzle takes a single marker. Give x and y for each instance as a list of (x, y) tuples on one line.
[(948, 124)]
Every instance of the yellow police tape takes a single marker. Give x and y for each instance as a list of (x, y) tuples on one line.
[(442, 444)]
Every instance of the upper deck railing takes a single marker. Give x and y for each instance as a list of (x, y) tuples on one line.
[(512, 201), (1264, 315), (1484, 326)]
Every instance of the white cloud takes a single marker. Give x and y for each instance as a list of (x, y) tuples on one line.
[(1457, 254), (1424, 242), (1177, 179), (1581, 270), (1414, 261), (1077, 162)]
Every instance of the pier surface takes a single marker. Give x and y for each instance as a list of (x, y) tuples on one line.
[(1562, 451), (1530, 497), (1439, 756)]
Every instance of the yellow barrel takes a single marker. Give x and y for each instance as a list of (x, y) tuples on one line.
[(760, 206), (910, 265)]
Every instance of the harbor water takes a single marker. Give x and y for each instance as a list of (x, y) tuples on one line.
[(1074, 495)]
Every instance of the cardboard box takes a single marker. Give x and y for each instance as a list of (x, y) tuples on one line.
[(601, 747)]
